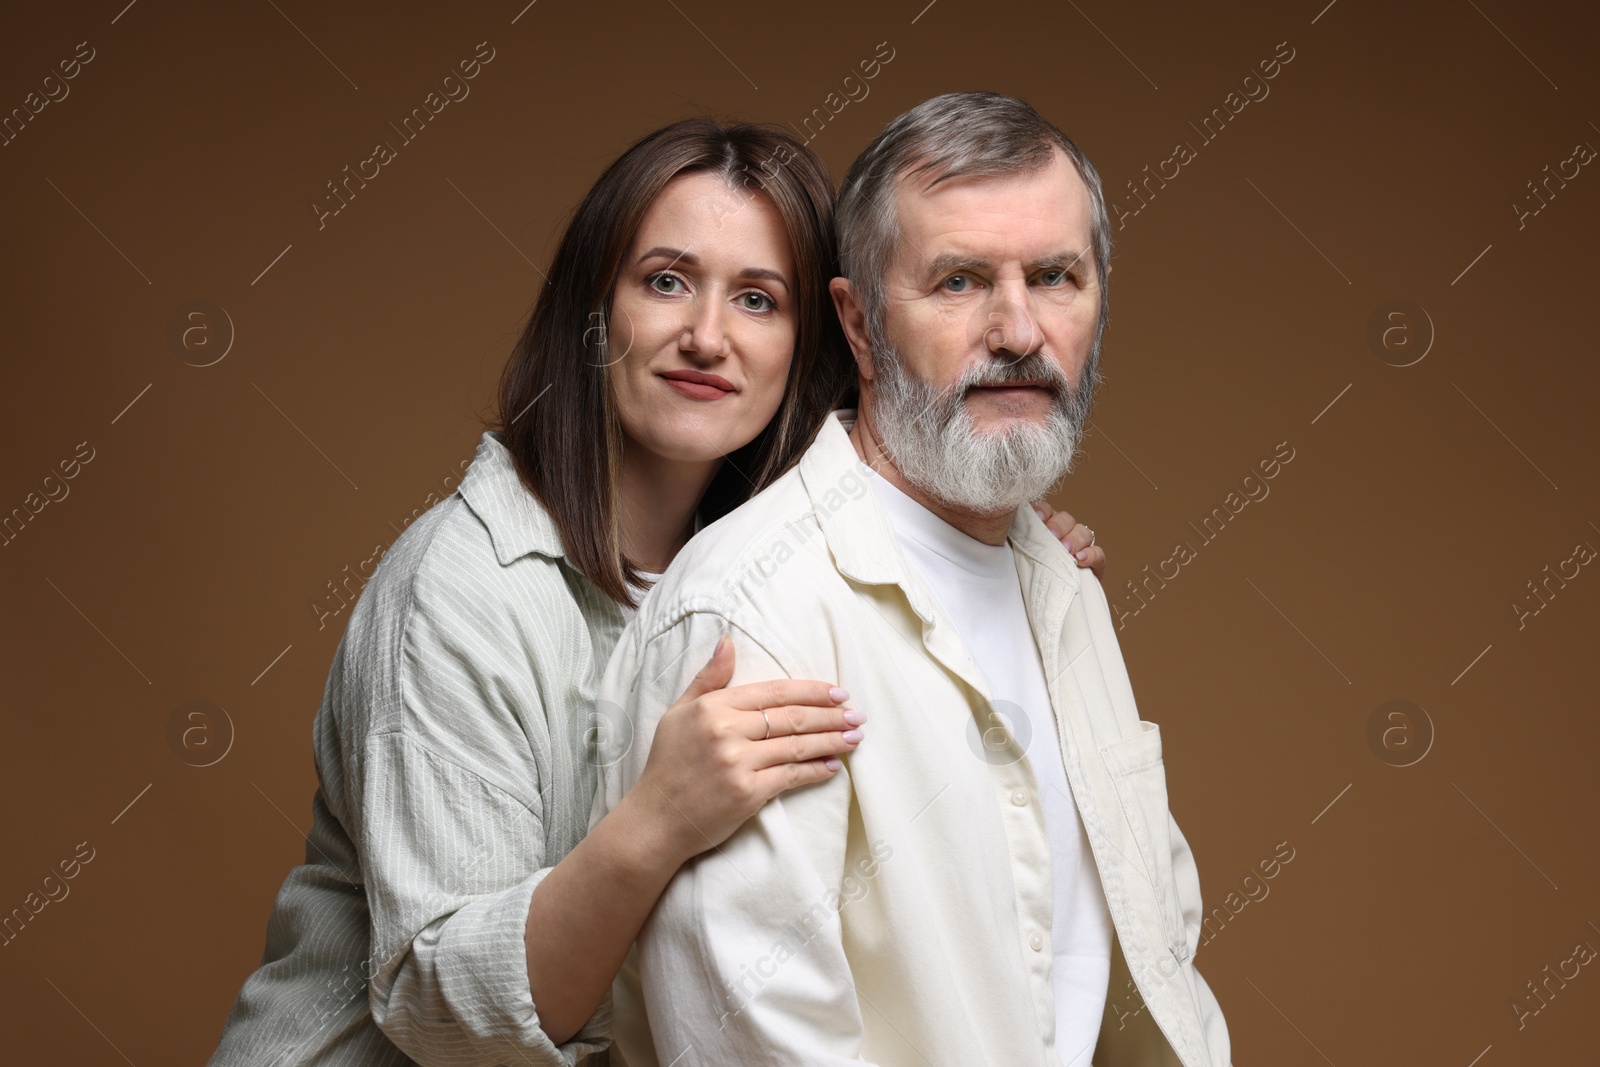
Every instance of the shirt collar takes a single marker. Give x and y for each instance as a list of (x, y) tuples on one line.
[(518, 524), (856, 526)]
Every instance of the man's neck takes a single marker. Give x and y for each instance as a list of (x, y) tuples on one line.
[(989, 527)]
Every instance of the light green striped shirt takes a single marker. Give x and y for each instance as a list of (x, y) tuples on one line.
[(454, 749)]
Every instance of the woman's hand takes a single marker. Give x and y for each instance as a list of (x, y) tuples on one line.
[(1076, 538), (716, 758), (711, 766)]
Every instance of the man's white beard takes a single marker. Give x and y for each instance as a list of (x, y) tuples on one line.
[(932, 439)]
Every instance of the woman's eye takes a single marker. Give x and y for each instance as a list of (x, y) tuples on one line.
[(665, 283), (756, 302)]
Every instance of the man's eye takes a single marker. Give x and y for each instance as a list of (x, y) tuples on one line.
[(665, 283), (957, 283), (756, 302), (1054, 277)]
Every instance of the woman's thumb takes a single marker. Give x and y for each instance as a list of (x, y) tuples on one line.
[(717, 672)]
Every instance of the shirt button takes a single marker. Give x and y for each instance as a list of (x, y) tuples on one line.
[(1036, 942), (1019, 798)]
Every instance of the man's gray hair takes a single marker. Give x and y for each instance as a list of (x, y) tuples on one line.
[(949, 136)]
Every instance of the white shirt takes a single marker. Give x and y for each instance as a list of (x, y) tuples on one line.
[(976, 585), (901, 911)]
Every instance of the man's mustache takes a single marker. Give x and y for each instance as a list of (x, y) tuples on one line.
[(1034, 369)]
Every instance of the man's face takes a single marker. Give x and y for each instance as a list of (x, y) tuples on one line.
[(993, 270), (981, 380)]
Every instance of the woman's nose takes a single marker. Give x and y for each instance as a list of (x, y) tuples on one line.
[(703, 333)]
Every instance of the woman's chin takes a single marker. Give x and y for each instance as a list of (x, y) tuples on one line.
[(695, 444)]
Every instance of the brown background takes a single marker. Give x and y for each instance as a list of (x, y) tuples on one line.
[(186, 562)]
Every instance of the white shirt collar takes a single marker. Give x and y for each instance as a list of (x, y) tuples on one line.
[(856, 525)]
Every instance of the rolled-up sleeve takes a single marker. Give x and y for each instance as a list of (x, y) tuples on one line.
[(742, 960), (453, 841)]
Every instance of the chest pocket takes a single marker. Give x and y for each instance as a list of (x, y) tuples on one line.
[(1140, 777)]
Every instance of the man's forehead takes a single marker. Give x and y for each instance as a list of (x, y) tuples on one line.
[(1029, 213)]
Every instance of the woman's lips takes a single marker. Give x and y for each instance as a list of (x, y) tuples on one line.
[(698, 386)]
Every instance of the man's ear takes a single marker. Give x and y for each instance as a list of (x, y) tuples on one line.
[(854, 320)]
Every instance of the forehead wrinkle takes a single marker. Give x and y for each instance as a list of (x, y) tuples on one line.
[(981, 209)]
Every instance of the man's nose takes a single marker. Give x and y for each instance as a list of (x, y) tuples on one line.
[(1010, 325)]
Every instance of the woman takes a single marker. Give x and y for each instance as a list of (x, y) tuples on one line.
[(454, 906)]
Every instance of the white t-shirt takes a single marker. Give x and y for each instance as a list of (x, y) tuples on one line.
[(651, 577), (977, 586)]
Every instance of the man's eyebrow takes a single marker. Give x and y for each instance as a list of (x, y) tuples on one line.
[(689, 259), (1065, 259), (950, 262)]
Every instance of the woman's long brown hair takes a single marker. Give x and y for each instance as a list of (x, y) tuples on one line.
[(557, 413)]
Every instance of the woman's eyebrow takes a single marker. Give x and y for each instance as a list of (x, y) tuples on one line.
[(765, 274), (689, 259), (676, 255)]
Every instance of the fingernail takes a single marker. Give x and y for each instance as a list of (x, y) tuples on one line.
[(851, 737), (854, 717), (839, 695), (833, 765), (1084, 554), (1039, 512)]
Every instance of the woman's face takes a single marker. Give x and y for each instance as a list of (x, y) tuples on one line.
[(703, 321)]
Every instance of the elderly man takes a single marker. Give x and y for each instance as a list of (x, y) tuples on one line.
[(995, 878)]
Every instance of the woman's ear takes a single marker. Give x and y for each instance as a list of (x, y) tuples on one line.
[(853, 318)]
